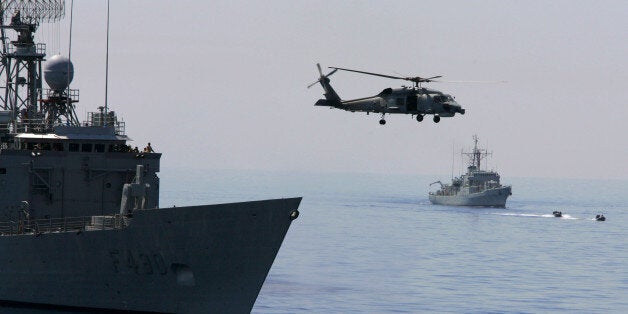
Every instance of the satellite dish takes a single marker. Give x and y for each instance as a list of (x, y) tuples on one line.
[(58, 72)]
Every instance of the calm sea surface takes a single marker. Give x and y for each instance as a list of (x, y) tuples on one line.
[(373, 243)]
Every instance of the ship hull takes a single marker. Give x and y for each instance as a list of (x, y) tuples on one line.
[(489, 198), (198, 259)]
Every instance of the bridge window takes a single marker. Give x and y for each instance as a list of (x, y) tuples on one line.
[(57, 147), (86, 147), (99, 148), (74, 147)]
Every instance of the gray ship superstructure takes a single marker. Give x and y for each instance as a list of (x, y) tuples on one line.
[(475, 188), (80, 223)]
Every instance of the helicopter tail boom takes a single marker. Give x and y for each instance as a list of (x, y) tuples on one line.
[(327, 103)]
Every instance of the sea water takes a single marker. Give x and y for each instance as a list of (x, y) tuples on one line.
[(373, 243)]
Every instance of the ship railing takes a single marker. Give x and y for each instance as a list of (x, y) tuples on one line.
[(110, 119), (39, 49), (65, 224), (73, 94), (35, 125), (32, 126), (5, 127)]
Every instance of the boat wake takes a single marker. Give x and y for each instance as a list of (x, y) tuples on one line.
[(564, 216)]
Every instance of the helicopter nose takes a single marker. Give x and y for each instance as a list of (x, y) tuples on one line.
[(451, 107), (457, 108)]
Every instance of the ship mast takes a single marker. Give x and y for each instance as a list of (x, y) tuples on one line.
[(476, 156), (23, 107)]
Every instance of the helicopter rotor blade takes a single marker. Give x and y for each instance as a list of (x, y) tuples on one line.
[(429, 79), (318, 65), (313, 84), (330, 73), (439, 81), (416, 79), (370, 73)]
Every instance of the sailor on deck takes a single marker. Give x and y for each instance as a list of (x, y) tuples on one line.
[(148, 149)]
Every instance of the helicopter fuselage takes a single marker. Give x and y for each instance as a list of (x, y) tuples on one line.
[(406, 100), (417, 100)]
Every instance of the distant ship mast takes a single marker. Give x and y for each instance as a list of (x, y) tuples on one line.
[(476, 156)]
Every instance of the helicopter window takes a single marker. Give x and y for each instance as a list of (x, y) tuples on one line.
[(399, 102), (411, 103)]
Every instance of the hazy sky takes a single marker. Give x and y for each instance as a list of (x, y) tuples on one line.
[(222, 84)]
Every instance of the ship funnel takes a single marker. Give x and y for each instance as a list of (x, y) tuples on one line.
[(58, 72)]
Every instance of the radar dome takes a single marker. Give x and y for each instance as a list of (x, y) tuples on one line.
[(58, 72)]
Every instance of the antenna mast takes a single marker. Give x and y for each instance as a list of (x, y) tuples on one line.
[(69, 101), (453, 158), (476, 156), (106, 69), (22, 57), (23, 107)]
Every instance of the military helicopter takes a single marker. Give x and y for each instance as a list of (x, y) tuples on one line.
[(416, 100)]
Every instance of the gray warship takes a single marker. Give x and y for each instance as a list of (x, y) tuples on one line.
[(475, 188), (80, 223)]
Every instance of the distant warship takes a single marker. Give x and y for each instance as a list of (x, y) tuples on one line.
[(80, 223), (475, 188)]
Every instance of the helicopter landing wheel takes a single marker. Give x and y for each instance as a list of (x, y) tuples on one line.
[(419, 118), (382, 121), (436, 119)]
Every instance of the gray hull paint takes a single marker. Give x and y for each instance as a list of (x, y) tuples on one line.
[(199, 259), (488, 198)]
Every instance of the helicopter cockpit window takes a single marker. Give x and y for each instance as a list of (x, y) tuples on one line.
[(442, 99)]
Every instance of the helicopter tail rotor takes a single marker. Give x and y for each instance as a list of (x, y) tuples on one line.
[(331, 97), (322, 76)]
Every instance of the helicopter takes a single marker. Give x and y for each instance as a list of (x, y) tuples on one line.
[(416, 100)]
